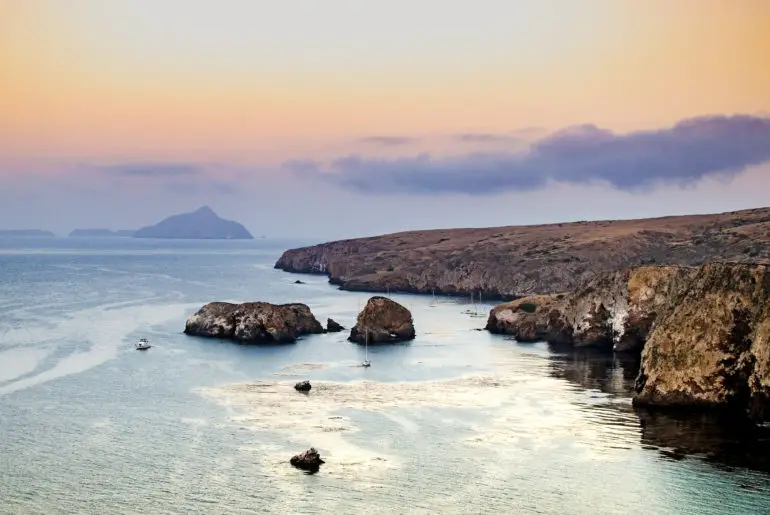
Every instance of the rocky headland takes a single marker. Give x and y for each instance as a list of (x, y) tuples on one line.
[(253, 322), (703, 333), (516, 261)]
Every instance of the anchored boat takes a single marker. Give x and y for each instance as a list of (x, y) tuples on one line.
[(143, 344)]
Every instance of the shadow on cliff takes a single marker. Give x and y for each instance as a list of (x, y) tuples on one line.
[(725, 441)]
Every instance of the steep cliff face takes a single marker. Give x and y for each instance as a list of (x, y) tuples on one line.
[(712, 347), (614, 310), (705, 332), (511, 262)]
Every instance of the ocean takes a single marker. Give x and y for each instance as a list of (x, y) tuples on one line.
[(457, 421)]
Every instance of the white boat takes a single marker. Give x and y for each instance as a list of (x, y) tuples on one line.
[(366, 362), (143, 344)]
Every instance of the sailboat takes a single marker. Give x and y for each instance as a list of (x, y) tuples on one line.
[(366, 362), (476, 314), (433, 302), (469, 311)]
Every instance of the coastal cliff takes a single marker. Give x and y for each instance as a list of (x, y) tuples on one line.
[(616, 310), (517, 261), (703, 333), (712, 347)]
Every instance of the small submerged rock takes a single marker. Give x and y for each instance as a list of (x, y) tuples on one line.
[(298, 282), (309, 460), (303, 386), (333, 327)]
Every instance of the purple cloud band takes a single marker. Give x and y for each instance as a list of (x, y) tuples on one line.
[(690, 151)]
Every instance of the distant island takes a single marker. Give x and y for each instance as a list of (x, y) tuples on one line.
[(27, 233), (102, 233), (201, 224)]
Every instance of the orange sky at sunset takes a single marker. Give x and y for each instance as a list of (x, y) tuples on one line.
[(444, 113), (254, 81)]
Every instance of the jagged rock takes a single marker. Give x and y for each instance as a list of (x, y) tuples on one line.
[(713, 347), (309, 460), (615, 310), (333, 327), (253, 322), (303, 386), (382, 321)]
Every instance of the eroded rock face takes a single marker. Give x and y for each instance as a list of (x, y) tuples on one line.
[(713, 347), (214, 320), (616, 310), (253, 322), (382, 321), (531, 319), (309, 460)]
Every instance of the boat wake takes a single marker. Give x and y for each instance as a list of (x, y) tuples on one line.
[(83, 340)]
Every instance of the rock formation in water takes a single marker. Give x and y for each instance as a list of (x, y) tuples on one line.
[(510, 262), (200, 224), (253, 322), (309, 460), (712, 347), (616, 310), (382, 321), (101, 233), (333, 327), (303, 386)]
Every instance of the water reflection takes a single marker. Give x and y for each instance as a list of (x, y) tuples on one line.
[(590, 368), (726, 441)]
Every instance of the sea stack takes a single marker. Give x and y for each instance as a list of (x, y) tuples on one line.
[(382, 321)]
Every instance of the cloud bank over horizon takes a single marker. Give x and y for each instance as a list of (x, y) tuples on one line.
[(684, 154)]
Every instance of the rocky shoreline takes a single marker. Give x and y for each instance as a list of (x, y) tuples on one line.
[(703, 333)]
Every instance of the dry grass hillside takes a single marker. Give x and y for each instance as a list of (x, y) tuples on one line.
[(506, 262)]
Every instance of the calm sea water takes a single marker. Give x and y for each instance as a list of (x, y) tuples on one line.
[(458, 421)]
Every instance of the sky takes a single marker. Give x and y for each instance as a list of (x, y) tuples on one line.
[(344, 118)]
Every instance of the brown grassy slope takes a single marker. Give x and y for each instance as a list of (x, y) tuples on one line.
[(522, 260)]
